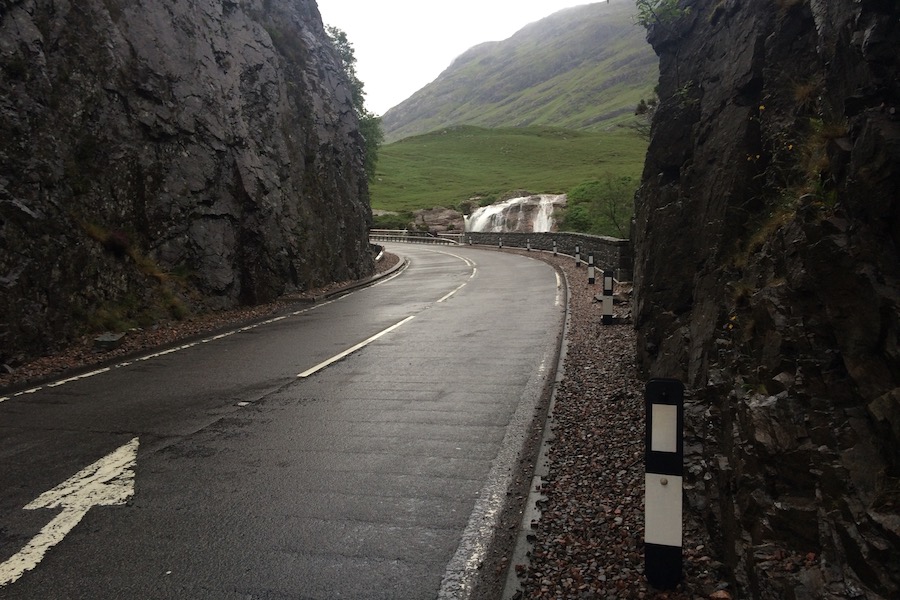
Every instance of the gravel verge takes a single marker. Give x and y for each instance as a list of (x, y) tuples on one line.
[(588, 540)]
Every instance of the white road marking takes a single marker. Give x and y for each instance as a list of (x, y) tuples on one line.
[(453, 293), (368, 341), (350, 351), (469, 263), (450, 295), (208, 339), (107, 482), (559, 290), (165, 352), (77, 377)]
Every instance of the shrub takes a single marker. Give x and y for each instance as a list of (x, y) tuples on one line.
[(600, 207)]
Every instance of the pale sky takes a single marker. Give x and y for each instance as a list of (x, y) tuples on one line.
[(403, 45)]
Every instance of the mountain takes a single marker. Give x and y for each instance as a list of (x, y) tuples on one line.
[(581, 68)]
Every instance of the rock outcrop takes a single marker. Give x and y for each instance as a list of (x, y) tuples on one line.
[(160, 156), (767, 276)]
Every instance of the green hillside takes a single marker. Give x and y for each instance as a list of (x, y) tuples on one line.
[(582, 68), (448, 167)]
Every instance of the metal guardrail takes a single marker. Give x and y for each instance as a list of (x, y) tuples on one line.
[(414, 237)]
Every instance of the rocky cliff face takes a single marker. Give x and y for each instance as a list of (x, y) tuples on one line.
[(159, 156), (767, 277)]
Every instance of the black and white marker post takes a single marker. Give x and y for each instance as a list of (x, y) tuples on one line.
[(554, 247), (607, 318), (663, 482), (591, 278), (577, 256)]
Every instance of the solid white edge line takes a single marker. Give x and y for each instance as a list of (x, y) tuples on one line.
[(559, 291), (349, 351), (77, 377), (191, 345), (163, 352)]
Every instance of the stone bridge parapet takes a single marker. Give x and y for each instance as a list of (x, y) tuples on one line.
[(609, 252)]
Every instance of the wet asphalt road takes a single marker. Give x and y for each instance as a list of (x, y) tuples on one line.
[(375, 476)]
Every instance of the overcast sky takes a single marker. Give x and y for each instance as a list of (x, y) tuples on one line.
[(403, 45)]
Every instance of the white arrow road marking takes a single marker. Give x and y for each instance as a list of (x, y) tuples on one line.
[(107, 482)]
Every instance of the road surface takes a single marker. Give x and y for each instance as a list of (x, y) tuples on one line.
[(356, 448)]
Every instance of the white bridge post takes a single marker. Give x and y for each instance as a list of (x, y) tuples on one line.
[(607, 318), (664, 458)]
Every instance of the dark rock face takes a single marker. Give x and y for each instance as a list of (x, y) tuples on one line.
[(162, 155), (767, 276)]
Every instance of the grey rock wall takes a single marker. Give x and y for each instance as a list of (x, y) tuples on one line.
[(162, 157), (767, 276)]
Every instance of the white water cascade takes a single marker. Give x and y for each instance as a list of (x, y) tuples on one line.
[(527, 213)]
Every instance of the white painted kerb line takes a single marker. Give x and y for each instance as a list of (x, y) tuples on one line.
[(350, 351), (107, 482)]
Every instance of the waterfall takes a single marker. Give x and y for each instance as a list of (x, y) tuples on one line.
[(543, 220), (527, 213)]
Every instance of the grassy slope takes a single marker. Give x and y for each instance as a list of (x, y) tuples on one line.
[(449, 166), (581, 68)]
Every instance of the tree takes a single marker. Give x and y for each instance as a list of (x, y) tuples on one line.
[(658, 12), (369, 124), (644, 113), (662, 14), (600, 206), (373, 134)]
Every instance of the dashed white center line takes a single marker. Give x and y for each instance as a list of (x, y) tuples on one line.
[(353, 349)]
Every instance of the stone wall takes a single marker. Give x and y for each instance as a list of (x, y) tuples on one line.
[(163, 157), (767, 276), (608, 252)]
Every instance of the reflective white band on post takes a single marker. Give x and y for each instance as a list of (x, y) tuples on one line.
[(664, 457), (607, 297), (591, 278), (663, 510)]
